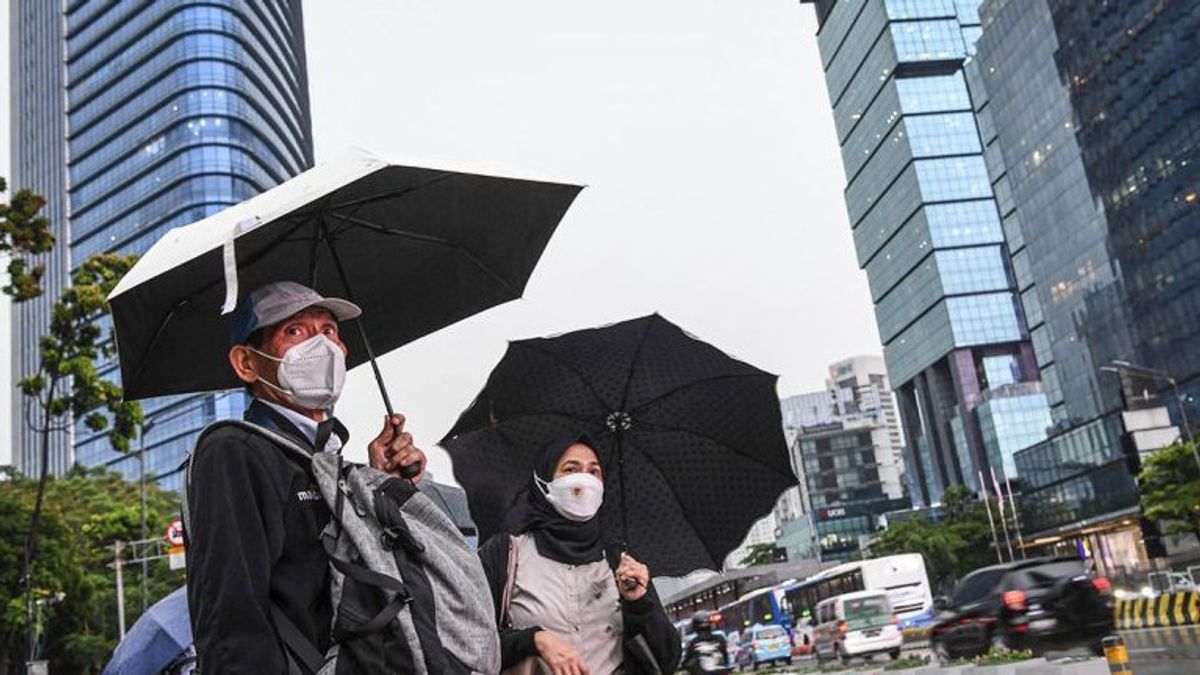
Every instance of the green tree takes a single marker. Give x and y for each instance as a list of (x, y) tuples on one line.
[(940, 546), (66, 386), (961, 541), (967, 518), (86, 511), (1169, 488), (24, 232), (758, 554)]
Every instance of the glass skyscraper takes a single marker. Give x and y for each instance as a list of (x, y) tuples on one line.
[(37, 129), (1095, 109), (173, 112), (928, 232)]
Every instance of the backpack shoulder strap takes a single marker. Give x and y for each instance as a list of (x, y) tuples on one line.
[(300, 651), (510, 582), (280, 440)]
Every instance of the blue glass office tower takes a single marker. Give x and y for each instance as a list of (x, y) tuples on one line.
[(1095, 109), (928, 232), (38, 125), (173, 111)]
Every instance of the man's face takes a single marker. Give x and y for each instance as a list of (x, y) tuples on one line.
[(299, 327), (276, 341)]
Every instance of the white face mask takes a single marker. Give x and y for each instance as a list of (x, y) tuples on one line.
[(311, 373), (561, 494)]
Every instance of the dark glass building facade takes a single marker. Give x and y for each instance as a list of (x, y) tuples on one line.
[(173, 112), (1096, 110), (927, 230)]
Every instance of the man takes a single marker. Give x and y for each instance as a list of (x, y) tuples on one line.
[(707, 651), (256, 515)]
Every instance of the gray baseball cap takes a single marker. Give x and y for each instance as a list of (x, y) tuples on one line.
[(271, 303)]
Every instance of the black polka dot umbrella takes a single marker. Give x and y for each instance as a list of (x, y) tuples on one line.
[(690, 438)]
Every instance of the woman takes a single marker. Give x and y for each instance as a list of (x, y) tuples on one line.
[(561, 602)]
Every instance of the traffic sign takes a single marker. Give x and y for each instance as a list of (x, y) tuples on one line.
[(176, 558), (174, 533)]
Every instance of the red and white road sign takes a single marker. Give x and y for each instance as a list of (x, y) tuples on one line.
[(174, 533)]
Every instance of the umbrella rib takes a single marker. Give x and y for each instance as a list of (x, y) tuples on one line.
[(710, 439), (507, 420), (162, 326), (429, 239), (715, 378), (375, 227), (633, 364), (687, 519), (393, 193), (569, 367), (249, 261)]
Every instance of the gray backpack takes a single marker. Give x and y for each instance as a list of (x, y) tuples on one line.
[(409, 594)]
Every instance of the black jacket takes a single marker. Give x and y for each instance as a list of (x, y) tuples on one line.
[(651, 641), (256, 520)]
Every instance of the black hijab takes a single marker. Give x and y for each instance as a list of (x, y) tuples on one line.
[(557, 538)]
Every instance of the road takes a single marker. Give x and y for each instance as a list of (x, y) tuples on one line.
[(1162, 651), (1152, 651)]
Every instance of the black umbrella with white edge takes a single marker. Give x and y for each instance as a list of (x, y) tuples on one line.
[(417, 247)]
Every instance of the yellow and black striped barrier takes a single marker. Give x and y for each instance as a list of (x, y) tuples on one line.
[(1168, 609)]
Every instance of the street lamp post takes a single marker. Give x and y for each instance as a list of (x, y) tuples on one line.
[(1120, 366), (147, 425)]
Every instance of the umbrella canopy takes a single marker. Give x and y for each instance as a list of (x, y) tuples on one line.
[(691, 439), (417, 248), (157, 639)]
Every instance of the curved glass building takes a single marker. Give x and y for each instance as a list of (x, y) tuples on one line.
[(174, 111), (929, 230)]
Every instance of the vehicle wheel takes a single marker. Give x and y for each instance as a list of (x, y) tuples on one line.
[(842, 655), (894, 654), (996, 641), (941, 653)]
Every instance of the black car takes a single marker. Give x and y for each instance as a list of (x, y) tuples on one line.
[(1038, 604)]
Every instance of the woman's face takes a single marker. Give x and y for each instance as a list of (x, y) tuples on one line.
[(578, 458)]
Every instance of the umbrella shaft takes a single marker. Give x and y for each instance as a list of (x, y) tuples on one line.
[(621, 477), (411, 470), (362, 331)]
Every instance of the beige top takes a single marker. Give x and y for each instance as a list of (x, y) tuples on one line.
[(578, 602)]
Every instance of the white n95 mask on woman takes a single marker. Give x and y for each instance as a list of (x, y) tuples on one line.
[(576, 496)]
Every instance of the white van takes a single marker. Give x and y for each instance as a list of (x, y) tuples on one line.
[(856, 624)]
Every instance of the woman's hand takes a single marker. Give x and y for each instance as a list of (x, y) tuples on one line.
[(559, 655), (633, 578)]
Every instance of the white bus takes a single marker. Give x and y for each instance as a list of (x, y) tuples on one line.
[(902, 577)]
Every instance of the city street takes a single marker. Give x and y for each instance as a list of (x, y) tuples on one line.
[(1159, 651), (1153, 651), (383, 337)]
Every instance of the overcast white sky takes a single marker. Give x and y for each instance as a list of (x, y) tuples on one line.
[(702, 128)]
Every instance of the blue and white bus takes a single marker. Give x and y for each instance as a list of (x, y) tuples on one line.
[(765, 606), (902, 577)]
